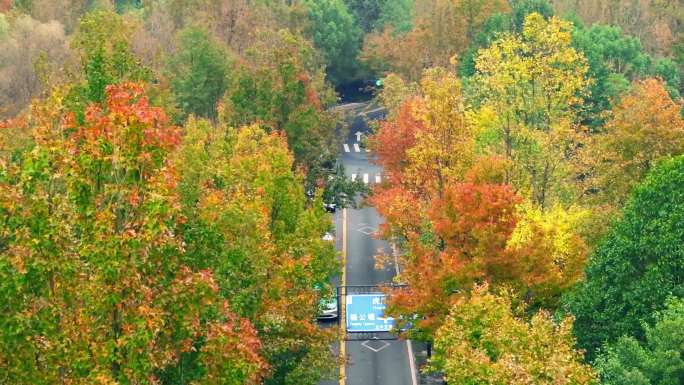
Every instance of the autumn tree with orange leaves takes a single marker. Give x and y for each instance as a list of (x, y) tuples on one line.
[(645, 126), (114, 272), (447, 207), (441, 29), (462, 241)]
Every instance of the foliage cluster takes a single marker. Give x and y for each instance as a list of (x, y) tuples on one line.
[(137, 252), (155, 226), (537, 165)]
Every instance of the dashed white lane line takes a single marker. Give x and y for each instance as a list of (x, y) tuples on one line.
[(365, 178), (346, 147), (357, 148), (367, 149), (353, 177), (378, 178)]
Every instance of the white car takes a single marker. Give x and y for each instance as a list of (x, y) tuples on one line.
[(328, 237), (330, 207)]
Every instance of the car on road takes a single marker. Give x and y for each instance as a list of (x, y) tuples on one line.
[(327, 309), (330, 207), (327, 304), (328, 237)]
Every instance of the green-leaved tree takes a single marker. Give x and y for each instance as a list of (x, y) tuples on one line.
[(657, 361), (638, 265), (198, 73)]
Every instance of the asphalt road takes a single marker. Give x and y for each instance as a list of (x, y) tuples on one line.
[(368, 362)]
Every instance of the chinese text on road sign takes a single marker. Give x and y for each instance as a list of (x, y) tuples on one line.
[(366, 313)]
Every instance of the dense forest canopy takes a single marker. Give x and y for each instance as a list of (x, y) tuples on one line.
[(163, 165)]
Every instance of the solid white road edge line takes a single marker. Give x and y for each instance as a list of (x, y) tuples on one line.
[(412, 362), (409, 345)]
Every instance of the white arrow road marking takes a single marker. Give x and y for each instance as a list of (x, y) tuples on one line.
[(365, 178), (353, 177), (378, 178), (357, 148), (358, 136), (346, 147)]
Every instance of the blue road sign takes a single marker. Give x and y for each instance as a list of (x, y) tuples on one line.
[(366, 313)]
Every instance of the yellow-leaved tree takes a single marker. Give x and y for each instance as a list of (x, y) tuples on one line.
[(444, 148), (528, 86), (551, 253), (484, 342)]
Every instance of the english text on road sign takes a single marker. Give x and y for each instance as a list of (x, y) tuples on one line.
[(366, 313)]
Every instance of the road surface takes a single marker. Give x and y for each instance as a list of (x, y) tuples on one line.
[(368, 362)]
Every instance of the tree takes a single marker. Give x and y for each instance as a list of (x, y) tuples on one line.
[(443, 148), (655, 24), (446, 205), (430, 141), (461, 241), (248, 222), (103, 40), (551, 252), (284, 90), (394, 92), (198, 73), (528, 87), (65, 12), (657, 361), (93, 258), (32, 55), (334, 31), (441, 30), (614, 61), (645, 126), (366, 12), (394, 138), (637, 266), (483, 342), (397, 15), (498, 23), (667, 70)]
